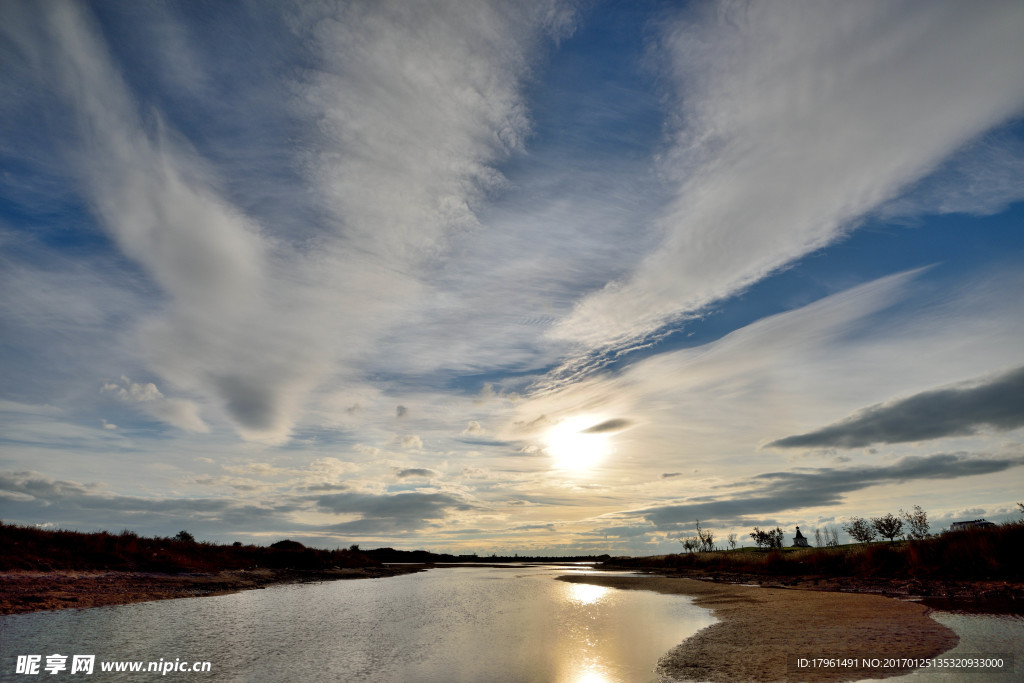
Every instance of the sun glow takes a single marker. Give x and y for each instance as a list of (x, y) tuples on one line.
[(586, 593), (571, 447)]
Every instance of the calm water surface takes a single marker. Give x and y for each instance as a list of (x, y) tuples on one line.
[(982, 635), (463, 624), (459, 624)]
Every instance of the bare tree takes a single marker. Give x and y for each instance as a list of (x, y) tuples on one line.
[(817, 538), (917, 523), (860, 530), (732, 541), (888, 526), (706, 539)]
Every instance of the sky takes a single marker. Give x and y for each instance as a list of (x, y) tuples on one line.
[(485, 277)]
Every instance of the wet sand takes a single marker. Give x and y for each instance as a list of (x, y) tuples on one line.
[(762, 629), (26, 591)]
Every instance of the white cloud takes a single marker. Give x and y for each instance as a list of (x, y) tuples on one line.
[(408, 105), (474, 428), (794, 121), (178, 412), (713, 406), (983, 178), (411, 442)]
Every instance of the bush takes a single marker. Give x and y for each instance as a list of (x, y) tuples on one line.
[(43, 550), (185, 537)]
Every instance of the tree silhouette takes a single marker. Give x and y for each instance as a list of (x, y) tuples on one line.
[(860, 530), (917, 522), (889, 526)]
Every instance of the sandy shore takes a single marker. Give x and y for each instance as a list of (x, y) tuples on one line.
[(762, 629), (26, 591)]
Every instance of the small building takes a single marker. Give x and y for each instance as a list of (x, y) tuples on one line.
[(971, 524), (799, 541)]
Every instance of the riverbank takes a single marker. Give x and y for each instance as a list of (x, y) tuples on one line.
[(31, 591), (984, 596), (762, 629)]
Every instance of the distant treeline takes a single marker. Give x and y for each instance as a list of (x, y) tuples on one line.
[(992, 552), (427, 557), (31, 548)]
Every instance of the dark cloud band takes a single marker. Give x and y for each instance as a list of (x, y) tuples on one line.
[(956, 411), (616, 425), (776, 492)]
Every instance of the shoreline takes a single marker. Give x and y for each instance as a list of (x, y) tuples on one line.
[(23, 592), (760, 629), (982, 596)]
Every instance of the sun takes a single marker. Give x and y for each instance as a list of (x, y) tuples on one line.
[(572, 447)]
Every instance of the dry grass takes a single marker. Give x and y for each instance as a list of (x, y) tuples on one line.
[(29, 548), (990, 553)]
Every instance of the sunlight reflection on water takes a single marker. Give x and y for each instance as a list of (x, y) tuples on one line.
[(586, 593), (461, 624)]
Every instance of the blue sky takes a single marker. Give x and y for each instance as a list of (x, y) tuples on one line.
[(509, 277)]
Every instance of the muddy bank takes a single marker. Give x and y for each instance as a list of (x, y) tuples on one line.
[(1001, 596), (26, 591), (761, 630)]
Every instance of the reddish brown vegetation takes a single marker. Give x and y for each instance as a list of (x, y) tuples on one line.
[(989, 553), (28, 548)]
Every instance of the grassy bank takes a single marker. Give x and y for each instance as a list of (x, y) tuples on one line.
[(992, 553), (41, 550)]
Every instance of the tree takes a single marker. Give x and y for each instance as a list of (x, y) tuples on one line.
[(732, 541), (889, 526), (831, 537), (185, 536), (860, 530), (817, 538), (705, 538), (917, 523), (767, 538)]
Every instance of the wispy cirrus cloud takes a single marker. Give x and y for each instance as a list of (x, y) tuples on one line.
[(406, 109), (437, 231), (794, 122)]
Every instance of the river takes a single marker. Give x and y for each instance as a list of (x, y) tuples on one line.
[(459, 624), (469, 623)]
